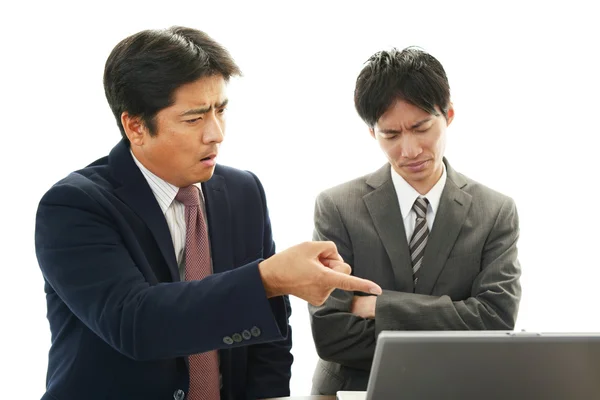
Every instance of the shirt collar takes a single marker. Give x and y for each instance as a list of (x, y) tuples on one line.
[(407, 194)]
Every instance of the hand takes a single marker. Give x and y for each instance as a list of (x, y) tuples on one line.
[(310, 271), (364, 306)]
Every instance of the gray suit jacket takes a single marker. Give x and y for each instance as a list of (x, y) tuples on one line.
[(469, 279)]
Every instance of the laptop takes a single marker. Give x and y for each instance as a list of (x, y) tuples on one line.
[(483, 365)]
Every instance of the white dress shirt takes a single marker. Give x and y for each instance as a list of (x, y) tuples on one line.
[(173, 210), (407, 196)]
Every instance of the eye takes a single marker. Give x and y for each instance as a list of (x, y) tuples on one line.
[(423, 129), (222, 110), (194, 120)]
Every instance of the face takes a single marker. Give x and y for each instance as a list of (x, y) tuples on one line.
[(414, 142), (187, 136)]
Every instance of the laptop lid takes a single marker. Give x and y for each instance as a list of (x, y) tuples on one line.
[(485, 365)]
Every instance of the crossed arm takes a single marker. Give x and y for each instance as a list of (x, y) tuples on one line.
[(346, 326)]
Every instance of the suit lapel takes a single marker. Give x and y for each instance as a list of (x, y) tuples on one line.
[(219, 222), (136, 193), (449, 219), (383, 207)]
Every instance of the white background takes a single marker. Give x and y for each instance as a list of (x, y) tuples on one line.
[(525, 86)]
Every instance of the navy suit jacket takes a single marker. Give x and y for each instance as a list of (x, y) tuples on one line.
[(122, 322)]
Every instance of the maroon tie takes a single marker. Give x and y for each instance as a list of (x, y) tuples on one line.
[(204, 367)]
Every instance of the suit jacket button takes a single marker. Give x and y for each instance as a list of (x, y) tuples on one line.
[(227, 340), (246, 334), (236, 337), (178, 394), (255, 331)]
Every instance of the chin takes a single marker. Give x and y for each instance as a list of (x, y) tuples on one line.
[(206, 176)]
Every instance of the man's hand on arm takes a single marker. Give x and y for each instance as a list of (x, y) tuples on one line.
[(311, 271)]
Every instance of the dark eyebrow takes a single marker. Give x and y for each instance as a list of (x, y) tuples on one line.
[(418, 124), (390, 131), (223, 103), (203, 110), (397, 132)]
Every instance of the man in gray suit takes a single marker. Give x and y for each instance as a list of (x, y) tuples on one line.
[(442, 246)]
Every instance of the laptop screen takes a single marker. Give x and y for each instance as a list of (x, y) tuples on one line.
[(485, 365)]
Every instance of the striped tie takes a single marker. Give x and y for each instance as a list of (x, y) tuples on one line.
[(419, 237), (204, 367)]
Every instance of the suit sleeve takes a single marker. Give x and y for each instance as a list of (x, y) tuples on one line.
[(495, 292), (346, 339), (339, 335), (86, 261), (270, 364)]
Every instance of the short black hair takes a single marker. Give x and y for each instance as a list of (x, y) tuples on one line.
[(411, 75), (143, 71)]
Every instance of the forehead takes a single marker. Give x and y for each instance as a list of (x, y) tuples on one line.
[(205, 91), (403, 113)]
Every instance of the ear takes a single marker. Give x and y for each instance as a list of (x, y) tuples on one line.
[(450, 114), (372, 132), (134, 128)]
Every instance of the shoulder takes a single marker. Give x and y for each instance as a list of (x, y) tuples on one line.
[(235, 176), (231, 174), (482, 194), (487, 204), (352, 190), (239, 183), (82, 185)]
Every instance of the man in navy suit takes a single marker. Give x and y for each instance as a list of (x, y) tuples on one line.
[(115, 244)]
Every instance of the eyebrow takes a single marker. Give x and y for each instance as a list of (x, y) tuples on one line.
[(414, 126), (421, 122), (203, 110)]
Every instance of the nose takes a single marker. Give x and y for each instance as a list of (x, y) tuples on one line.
[(409, 146), (214, 130)]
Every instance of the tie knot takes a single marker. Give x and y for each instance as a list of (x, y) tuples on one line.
[(189, 196), (420, 207)]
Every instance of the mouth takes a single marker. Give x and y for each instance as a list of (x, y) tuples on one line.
[(209, 160), (416, 166), (209, 157)]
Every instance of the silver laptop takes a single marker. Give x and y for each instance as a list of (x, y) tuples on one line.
[(483, 365)]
